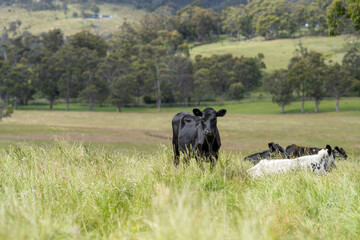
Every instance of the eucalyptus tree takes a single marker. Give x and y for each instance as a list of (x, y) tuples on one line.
[(281, 88), (339, 82)]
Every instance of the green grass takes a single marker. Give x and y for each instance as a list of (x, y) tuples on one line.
[(143, 132), (252, 105), (43, 21), (108, 175), (72, 191), (278, 52)]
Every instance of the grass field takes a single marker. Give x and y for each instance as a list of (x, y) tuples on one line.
[(278, 52), (252, 105), (43, 21), (143, 132), (112, 177)]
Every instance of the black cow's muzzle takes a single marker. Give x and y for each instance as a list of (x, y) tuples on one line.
[(209, 133)]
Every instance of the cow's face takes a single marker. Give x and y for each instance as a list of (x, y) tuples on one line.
[(331, 162), (274, 147), (340, 152), (208, 121)]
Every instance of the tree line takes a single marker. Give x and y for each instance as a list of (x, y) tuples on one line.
[(309, 77), (129, 68), (195, 21), (149, 62)]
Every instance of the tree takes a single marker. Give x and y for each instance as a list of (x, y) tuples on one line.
[(164, 57), (298, 76), (281, 88), (86, 39), (237, 90), (306, 73), (53, 40), (48, 77), (202, 84), (197, 23), (237, 21), (5, 83), (93, 87), (339, 82), (67, 65), (343, 16), (316, 72), (22, 87)]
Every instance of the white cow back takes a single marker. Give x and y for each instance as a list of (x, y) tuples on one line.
[(317, 163)]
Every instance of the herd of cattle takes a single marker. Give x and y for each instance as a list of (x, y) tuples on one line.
[(197, 135)]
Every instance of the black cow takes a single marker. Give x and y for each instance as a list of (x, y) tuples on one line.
[(273, 147), (340, 152), (197, 135), (298, 151)]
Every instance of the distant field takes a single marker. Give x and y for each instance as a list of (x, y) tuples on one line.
[(42, 21), (256, 104), (278, 52), (143, 132)]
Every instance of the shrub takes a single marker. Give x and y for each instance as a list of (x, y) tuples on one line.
[(149, 99), (237, 90), (9, 111)]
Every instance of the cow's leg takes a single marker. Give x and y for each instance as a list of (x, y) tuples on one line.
[(176, 153), (199, 161), (213, 160)]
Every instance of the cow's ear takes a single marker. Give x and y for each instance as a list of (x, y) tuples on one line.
[(328, 148), (221, 113), (271, 146), (197, 112), (337, 148)]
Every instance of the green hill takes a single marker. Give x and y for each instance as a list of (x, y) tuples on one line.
[(278, 52), (41, 21)]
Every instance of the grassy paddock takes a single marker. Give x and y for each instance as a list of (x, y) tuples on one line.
[(71, 191), (142, 132), (256, 104), (43, 21), (279, 52)]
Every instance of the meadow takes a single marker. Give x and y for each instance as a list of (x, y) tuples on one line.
[(257, 103), (37, 22), (106, 175), (279, 52)]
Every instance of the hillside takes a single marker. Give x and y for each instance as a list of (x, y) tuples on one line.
[(42, 21), (278, 52)]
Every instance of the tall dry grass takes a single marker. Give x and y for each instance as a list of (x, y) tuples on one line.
[(71, 191)]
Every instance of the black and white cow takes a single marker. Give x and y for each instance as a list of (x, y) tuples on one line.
[(197, 135), (318, 163), (273, 148)]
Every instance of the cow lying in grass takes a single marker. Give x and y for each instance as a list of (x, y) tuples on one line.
[(298, 151), (319, 163), (273, 148)]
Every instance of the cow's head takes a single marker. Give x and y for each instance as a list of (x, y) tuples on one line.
[(208, 121), (274, 147), (331, 162), (340, 152)]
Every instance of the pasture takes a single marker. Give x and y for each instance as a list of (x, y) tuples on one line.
[(37, 22), (96, 175), (258, 102), (279, 52)]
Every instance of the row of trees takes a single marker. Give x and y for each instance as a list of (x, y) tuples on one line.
[(270, 19), (126, 69), (309, 77)]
